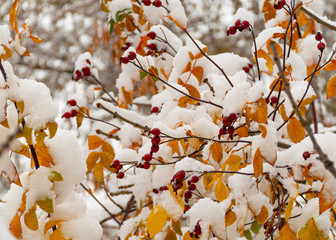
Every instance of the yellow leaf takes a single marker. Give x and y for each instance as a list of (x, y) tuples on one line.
[(50, 224), (257, 111), (57, 235), (15, 226), (128, 96), (187, 236), (27, 133), (242, 131), (198, 73), (263, 130), (269, 63), (46, 205), (331, 87), (326, 199), (194, 143), (43, 155), (80, 115), (286, 233), (289, 209), (233, 162), (12, 15), (221, 190), (257, 164), (217, 151), (192, 91), (175, 147), (268, 10), (94, 142), (98, 172), (91, 161), (23, 150), (52, 128), (30, 220), (106, 147), (302, 19), (262, 216), (283, 112), (106, 158), (230, 218), (156, 220), (295, 130), (177, 227), (311, 232), (55, 176)]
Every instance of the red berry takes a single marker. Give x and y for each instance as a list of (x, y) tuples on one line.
[(187, 194), (151, 35), (194, 179), (246, 69), (124, 48), (186, 208), (241, 28), (306, 155), (147, 157), (72, 102), (78, 74), (155, 131), (237, 24), (156, 140), (149, 52), (163, 188), (121, 175), (226, 121), (274, 99), (155, 148), (152, 46), (146, 2), (318, 36), (267, 100), (132, 55), (321, 46), (222, 131), (250, 65), (246, 24), (86, 71), (180, 175), (116, 163), (157, 3), (155, 109), (192, 187), (146, 165), (124, 60), (231, 130), (73, 113), (232, 117), (66, 115), (155, 191), (198, 230), (232, 30), (88, 61)]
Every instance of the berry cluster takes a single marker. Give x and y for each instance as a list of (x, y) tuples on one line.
[(117, 167), (197, 231), (239, 25), (156, 3), (126, 46), (73, 112), (320, 45), (191, 188), (227, 125), (177, 180), (131, 56), (155, 140), (85, 72), (248, 67), (146, 163), (161, 189), (279, 4)]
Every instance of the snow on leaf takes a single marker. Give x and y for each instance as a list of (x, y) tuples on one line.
[(310, 232), (156, 220), (262, 216), (94, 142), (257, 163), (326, 200), (286, 233), (52, 128), (331, 87), (257, 111), (295, 130), (57, 235), (30, 219), (269, 63)]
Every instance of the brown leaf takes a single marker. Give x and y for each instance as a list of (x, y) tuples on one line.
[(192, 91), (295, 130), (257, 164), (331, 87)]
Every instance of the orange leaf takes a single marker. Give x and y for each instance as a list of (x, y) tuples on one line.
[(178, 23), (194, 143), (30, 219), (187, 68), (289, 209), (268, 10), (221, 190), (217, 151), (156, 220), (257, 111), (175, 147), (331, 66), (98, 172), (192, 91), (7, 54), (242, 131), (295, 130), (12, 15), (286, 233), (326, 199), (331, 87), (127, 95), (230, 218), (257, 163), (94, 142), (269, 63), (302, 19), (50, 224), (57, 235), (198, 73), (187, 236), (80, 115), (233, 162), (15, 226), (262, 216), (263, 130), (275, 85), (91, 161)]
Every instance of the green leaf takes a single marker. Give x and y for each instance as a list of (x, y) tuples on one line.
[(55, 176), (255, 227), (143, 74), (111, 23), (46, 205), (248, 234)]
